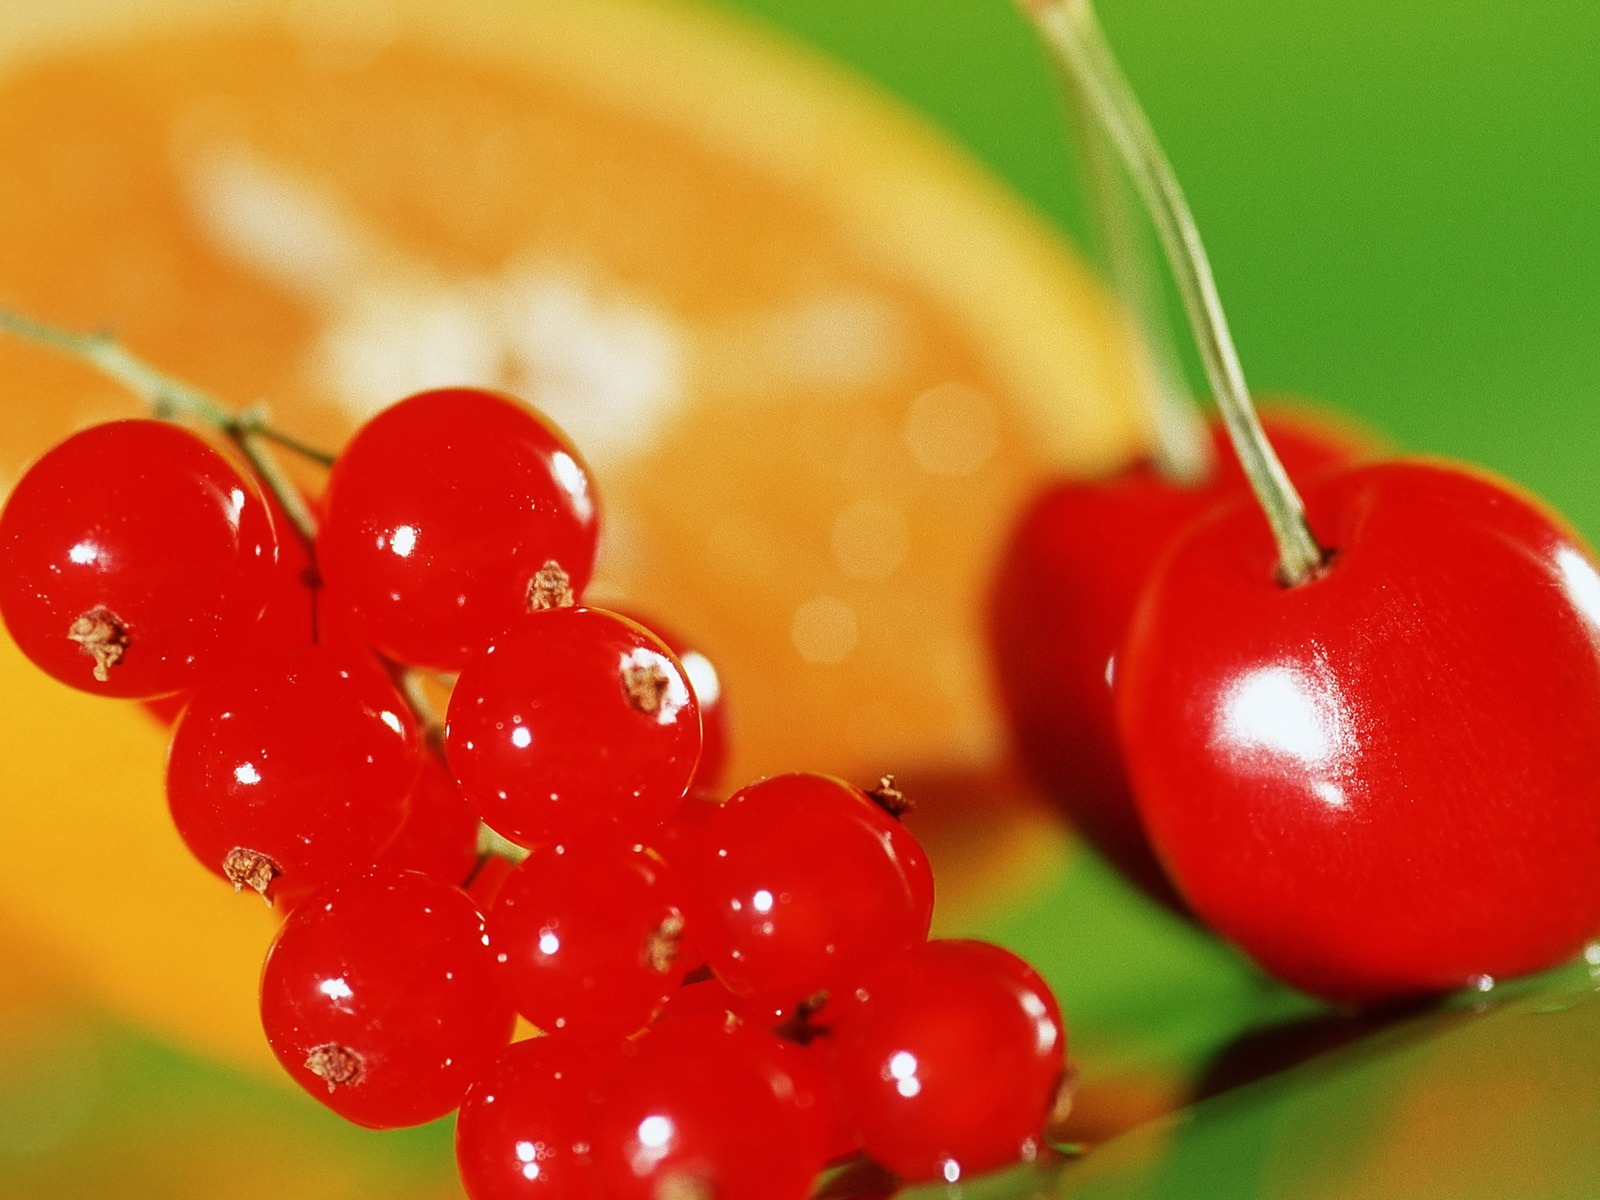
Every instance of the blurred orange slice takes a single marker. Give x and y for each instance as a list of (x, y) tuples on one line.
[(813, 354)]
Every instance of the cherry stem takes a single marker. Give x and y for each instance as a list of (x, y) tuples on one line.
[(1179, 448), (1071, 31), (171, 399)]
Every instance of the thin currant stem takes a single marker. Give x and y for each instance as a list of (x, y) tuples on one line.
[(292, 444), (173, 400), (1180, 449), (1070, 29)]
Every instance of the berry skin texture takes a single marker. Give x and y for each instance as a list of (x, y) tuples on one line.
[(304, 759), (523, 1132), (798, 883), (947, 1059), (696, 1109), (133, 559), (380, 997), (1060, 605), (439, 835), (576, 723), (441, 512), (1379, 783), (588, 937)]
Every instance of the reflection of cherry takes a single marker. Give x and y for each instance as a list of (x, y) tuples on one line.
[(1383, 781), (1067, 585)]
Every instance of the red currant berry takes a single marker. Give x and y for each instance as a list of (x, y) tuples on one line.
[(134, 558), (297, 766), (523, 1132), (439, 836), (1379, 782), (948, 1057), (381, 998), (1068, 581), (576, 722), (693, 1109), (441, 514), (708, 692), (589, 938), (798, 883)]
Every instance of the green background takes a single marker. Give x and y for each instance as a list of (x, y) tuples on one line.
[(1401, 197)]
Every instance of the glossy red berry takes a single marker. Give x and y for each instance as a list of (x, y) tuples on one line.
[(133, 559), (709, 694), (575, 723), (296, 767), (1060, 605), (948, 1058), (1379, 782), (381, 998), (441, 513), (589, 938), (798, 883), (524, 1128), (693, 1109), (439, 835)]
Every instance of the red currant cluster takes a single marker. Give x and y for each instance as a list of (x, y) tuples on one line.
[(731, 994)]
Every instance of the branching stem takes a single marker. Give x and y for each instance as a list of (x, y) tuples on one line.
[(172, 399)]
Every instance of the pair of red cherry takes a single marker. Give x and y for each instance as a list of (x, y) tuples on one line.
[(1382, 782), (1362, 738)]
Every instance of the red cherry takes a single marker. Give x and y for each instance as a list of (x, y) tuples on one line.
[(575, 722), (441, 513), (948, 1057), (588, 936), (697, 1109), (1062, 599), (439, 836), (297, 766), (798, 883), (134, 558), (1380, 782), (381, 998), (523, 1132)]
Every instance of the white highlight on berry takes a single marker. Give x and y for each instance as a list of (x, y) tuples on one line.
[(1285, 711), (247, 773), (403, 541), (903, 1070)]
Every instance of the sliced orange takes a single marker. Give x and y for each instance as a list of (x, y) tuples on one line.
[(814, 355)]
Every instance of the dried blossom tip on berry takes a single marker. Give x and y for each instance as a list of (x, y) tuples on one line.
[(665, 941), (646, 685), (250, 869), (684, 1187), (103, 637), (550, 588), (890, 798), (800, 1026), (335, 1066)]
